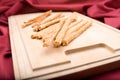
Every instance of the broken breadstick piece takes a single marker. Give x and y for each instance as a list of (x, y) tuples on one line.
[(39, 18), (61, 34), (37, 35), (34, 36), (72, 36)]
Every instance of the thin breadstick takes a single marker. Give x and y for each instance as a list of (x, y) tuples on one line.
[(48, 24), (44, 32), (61, 34), (50, 18), (39, 18), (74, 23), (75, 28), (74, 35), (48, 39), (43, 26)]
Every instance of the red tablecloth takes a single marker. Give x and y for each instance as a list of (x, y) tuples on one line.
[(107, 11)]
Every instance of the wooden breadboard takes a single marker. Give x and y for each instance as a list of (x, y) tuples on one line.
[(97, 46)]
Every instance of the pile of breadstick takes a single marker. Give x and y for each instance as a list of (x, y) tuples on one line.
[(57, 29)]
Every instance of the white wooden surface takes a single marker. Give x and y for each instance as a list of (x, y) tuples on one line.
[(99, 45)]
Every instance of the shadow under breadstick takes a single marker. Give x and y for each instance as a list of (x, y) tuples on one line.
[(74, 23)]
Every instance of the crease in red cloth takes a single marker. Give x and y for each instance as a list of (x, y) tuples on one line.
[(107, 11)]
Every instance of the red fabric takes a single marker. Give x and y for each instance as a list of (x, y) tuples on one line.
[(107, 11)]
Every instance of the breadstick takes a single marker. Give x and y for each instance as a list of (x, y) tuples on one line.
[(76, 27), (74, 23), (44, 32), (50, 18), (74, 35), (48, 24), (43, 26), (60, 35), (39, 18), (48, 39)]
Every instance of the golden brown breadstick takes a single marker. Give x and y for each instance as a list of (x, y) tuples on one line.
[(39, 18), (43, 26), (37, 35), (48, 39), (74, 23), (52, 17), (44, 32), (61, 34), (72, 36), (76, 27)]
